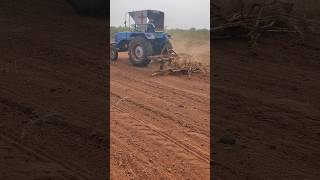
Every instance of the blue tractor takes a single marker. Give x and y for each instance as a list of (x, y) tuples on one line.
[(145, 38)]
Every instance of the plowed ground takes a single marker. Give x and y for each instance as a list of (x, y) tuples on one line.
[(52, 120), (159, 125), (268, 101)]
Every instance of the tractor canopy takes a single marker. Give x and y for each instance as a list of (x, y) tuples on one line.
[(143, 18)]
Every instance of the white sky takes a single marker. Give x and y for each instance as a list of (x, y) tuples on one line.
[(177, 13)]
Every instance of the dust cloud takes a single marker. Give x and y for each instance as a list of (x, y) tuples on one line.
[(198, 49)]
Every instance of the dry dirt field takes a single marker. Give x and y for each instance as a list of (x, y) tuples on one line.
[(160, 126), (268, 101), (52, 123), (51, 98)]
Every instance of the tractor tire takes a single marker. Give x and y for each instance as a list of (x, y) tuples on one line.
[(139, 50), (113, 53)]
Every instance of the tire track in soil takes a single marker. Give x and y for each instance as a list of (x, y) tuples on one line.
[(154, 114), (52, 77), (153, 140), (154, 86), (75, 172), (166, 97), (41, 114), (147, 127), (40, 120), (159, 117), (165, 120), (173, 98)]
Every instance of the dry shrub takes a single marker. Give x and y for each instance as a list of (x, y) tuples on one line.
[(308, 8)]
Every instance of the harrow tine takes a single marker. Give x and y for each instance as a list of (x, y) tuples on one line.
[(175, 63)]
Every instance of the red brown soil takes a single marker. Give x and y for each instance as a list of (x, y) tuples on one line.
[(51, 120), (267, 100), (160, 126), (52, 123)]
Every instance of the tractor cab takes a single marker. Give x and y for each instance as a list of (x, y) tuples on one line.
[(147, 21), (145, 38)]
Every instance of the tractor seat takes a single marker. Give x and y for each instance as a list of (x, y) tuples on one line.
[(151, 28)]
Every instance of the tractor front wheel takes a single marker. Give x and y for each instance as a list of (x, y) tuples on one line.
[(113, 53), (139, 50)]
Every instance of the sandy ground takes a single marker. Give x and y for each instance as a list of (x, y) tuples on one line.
[(159, 125), (268, 101)]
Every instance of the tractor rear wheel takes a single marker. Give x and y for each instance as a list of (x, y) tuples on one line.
[(139, 50), (113, 53)]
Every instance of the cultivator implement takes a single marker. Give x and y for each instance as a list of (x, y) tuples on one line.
[(173, 63)]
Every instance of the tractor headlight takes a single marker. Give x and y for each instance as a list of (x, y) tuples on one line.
[(150, 36)]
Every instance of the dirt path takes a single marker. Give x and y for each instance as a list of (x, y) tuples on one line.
[(159, 125)]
